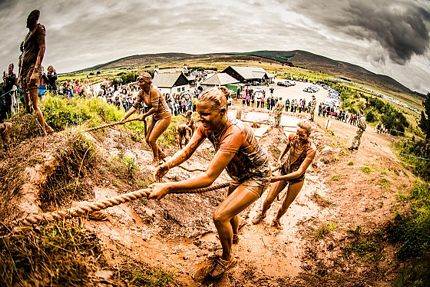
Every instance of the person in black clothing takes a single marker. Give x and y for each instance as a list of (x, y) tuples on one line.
[(50, 79), (9, 81)]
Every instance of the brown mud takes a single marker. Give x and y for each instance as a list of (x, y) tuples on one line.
[(343, 192)]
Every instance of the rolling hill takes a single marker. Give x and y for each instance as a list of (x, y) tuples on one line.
[(296, 58)]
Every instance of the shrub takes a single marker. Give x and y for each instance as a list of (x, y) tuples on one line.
[(370, 117), (412, 231), (61, 113)]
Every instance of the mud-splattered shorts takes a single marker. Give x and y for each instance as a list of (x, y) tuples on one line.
[(254, 186)]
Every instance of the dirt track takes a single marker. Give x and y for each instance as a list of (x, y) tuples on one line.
[(182, 239), (346, 190)]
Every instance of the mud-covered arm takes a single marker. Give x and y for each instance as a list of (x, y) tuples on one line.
[(222, 158), (133, 108), (302, 169), (181, 155), (41, 33), (286, 149), (155, 99)]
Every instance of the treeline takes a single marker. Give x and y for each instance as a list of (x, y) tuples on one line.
[(393, 120)]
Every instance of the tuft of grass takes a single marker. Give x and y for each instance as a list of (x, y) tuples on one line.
[(384, 183), (76, 159), (336, 178), (125, 167), (61, 254), (139, 274), (350, 163), (366, 169), (367, 246), (324, 229)]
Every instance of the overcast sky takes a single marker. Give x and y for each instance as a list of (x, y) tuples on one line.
[(384, 36)]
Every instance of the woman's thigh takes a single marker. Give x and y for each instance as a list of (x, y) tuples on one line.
[(237, 201), (159, 127)]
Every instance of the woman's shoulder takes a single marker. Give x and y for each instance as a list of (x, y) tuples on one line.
[(312, 147)]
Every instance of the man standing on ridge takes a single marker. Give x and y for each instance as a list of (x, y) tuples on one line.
[(313, 106), (361, 124), (9, 80), (278, 109), (30, 62)]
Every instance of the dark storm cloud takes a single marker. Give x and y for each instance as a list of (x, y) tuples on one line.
[(400, 27), (83, 33)]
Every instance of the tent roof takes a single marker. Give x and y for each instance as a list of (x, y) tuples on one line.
[(250, 72), (166, 80), (219, 79)]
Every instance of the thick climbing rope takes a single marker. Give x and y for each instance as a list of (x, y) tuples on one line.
[(111, 125), (113, 201)]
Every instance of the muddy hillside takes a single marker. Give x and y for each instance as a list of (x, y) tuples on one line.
[(333, 234)]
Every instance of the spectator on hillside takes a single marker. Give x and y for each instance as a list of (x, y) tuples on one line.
[(51, 80), (9, 81)]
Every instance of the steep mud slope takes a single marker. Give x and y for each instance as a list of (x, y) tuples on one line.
[(346, 197)]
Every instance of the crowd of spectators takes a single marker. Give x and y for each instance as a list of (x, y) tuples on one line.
[(338, 114), (124, 96)]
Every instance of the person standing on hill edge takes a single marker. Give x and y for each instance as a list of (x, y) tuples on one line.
[(238, 152), (313, 106), (300, 152), (157, 107), (30, 62), (51, 79), (361, 124), (9, 80), (277, 110)]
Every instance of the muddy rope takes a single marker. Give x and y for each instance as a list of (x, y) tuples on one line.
[(90, 207), (111, 125)]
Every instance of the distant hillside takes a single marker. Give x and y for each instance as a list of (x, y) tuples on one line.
[(295, 58), (322, 64)]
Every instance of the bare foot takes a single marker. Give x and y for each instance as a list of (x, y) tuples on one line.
[(277, 224), (161, 154), (49, 130), (260, 216)]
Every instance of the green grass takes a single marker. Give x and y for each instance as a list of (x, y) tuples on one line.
[(325, 229), (411, 233), (367, 246), (139, 274), (336, 178), (412, 230), (61, 113), (366, 169)]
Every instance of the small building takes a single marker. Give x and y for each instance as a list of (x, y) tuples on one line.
[(248, 75), (171, 83), (218, 79)]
